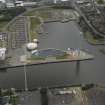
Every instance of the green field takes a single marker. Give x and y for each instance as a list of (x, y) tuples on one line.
[(100, 1), (3, 24), (62, 57), (36, 58), (34, 23), (30, 13), (3, 43), (96, 41), (44, 14), (39, 13)]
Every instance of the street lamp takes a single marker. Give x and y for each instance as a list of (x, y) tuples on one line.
[(23, 60), (25, 78)]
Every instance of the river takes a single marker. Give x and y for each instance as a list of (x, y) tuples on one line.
[(61, 36)]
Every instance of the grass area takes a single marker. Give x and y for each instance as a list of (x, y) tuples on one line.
[(43, 58), (2, 25), (33, 57), (33, 35), (62, 57), (44, 14), (30, 13), (35, 11), (34, 22), (89, 37), (36, 58), (3, 43), (100, 1)]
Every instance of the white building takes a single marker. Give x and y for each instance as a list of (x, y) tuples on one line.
[(29, 4), (2, 53), (10, 5), (56, 1), (2, 6), (31, 46), (19, 3)]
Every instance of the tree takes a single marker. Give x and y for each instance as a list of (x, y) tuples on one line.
[(100, 1)]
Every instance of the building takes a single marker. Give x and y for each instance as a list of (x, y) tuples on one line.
[(65, 3), (29, 4), (2, 5), (2, 53), (19, 3), (31, 46), (24, 3), (10, 3)]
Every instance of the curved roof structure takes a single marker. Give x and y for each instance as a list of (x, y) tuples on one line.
[(49, 53)]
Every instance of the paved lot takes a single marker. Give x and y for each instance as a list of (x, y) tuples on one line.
[(30, 98), (18, 32), (95, 96)]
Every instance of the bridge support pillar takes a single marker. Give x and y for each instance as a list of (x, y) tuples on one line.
[(77, 67), (44, 97)]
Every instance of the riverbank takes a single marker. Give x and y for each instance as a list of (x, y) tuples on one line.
[(90, 37), (102, 51), (58, 57), (80, 94), (92, 40)]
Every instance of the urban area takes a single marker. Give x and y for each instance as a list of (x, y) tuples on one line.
[(52, 52)]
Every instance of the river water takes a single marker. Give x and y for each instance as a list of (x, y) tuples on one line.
[(61, 36)]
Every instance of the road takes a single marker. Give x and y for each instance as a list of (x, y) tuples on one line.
[(87, 21)]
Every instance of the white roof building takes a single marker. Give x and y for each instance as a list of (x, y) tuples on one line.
[(31, 46), (10, 5), (19, 3), (35, 40), (22, 3), (29, 3), (2, 53)]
